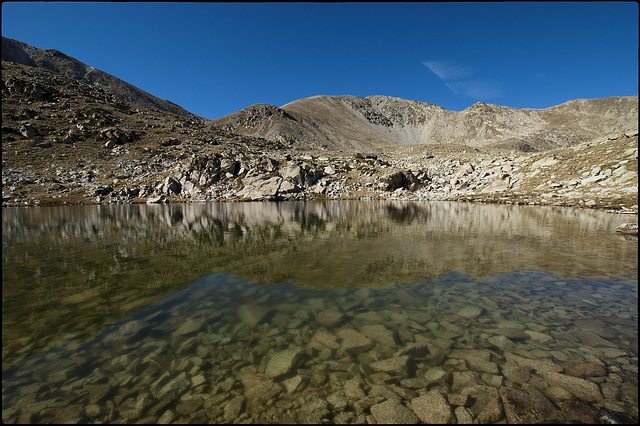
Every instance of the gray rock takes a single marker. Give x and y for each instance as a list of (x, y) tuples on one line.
[(97, 392), (258, 389), (352, 389), (515, 373), (175, 387), (581, 388), (541, 366), (283, 362), (313, 411), (155, 199), (432, 408), (627, 228), (487, 406), (354, 342), (585, 369), (464, 379), (170, 186), (28, 131), (251, 315), (497, 185), (330, 319), (322, 339), (393, 412), (293, 172), (393, 366), (469, 312), (191, 325), (292, 384), (463, 416), (233, 408), (512, 333), (380, 334), (436, 375), (414, 383), (261, 189), (287, 187), (229, 166), (521, 407)]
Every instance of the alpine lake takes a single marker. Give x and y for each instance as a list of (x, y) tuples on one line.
[(318, 312)]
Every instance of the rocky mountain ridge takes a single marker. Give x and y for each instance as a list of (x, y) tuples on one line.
[(354, 123), (53, 60), (67, 141)]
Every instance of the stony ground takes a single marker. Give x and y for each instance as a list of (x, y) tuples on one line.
[(67, 142), (252, 354)]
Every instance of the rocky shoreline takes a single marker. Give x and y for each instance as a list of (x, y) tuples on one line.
[(68, 142), (591, 179)]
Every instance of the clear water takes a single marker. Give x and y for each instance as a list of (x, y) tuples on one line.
[(343, 312)]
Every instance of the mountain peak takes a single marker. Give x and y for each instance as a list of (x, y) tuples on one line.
[(360, 123)]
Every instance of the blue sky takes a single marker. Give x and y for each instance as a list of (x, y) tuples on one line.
[(217, 58)]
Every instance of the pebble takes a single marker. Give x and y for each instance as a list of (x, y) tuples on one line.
[(345, 363)]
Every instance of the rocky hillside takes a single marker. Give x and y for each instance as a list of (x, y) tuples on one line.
[(66, 140), (353, 123), (53, 60)]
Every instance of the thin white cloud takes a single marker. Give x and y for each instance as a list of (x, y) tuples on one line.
[(455, 77), (446, 70), (476, 89)]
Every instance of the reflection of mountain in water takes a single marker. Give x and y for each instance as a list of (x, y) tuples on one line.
[(70, 268), (333, 244)]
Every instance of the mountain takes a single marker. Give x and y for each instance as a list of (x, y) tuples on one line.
[(354, 123), (68, 140), (53, 60)]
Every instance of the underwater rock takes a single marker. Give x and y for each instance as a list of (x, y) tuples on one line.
[(282, 362), (394, 366), (393, 412), (432, 408), (330, 319), (354, 342)]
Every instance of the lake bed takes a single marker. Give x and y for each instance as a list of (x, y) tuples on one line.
[(313, 312)]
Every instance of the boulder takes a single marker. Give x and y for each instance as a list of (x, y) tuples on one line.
[(28, 131), (380, 334), (400, 180), (394, 366), (585, 369), (354, 342), (330, 319), (584, 389), (393, 412), (628, 229), (497, 185), (229, 166), (261, 189), (469, 312), (283, 362), (258, 389), (521, 407), (432, 408), (251, 315), (322, 339)]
